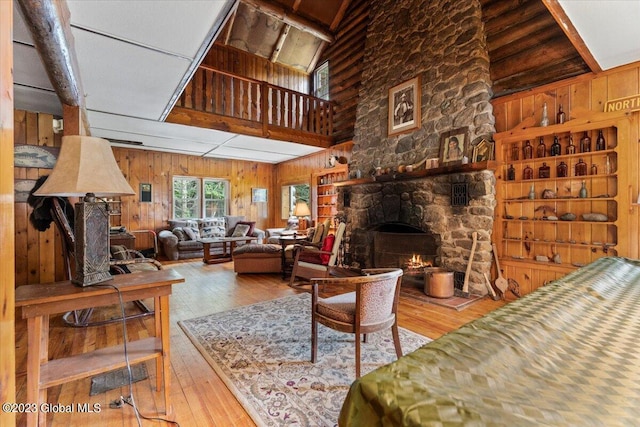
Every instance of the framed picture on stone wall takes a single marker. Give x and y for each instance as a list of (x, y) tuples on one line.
[(453, 146), (404, 107)]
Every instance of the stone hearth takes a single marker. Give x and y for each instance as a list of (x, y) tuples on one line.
[(424, 204)]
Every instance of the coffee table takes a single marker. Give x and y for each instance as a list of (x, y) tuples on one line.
[(228, 244)]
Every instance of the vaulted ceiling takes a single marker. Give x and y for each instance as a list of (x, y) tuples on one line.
[(134, 57)]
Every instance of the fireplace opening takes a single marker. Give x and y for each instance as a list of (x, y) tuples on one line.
[(398, 245)]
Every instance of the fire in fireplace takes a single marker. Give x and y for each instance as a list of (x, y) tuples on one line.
[(404, 246)]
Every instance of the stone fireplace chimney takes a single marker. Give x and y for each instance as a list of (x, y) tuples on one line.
[(443, 42)]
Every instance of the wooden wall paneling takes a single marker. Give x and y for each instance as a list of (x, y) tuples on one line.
[(166, 189), (46, 241), (634, 156), (7, 217), (500, 114), (623, 83), (599, 93), (32, 235), (138, 171), (580, 97)]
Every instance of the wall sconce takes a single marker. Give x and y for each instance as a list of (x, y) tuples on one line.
[(87, 168)]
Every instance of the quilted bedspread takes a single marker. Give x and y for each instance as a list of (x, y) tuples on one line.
[(566, 354)]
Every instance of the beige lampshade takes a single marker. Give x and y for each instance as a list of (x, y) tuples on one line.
[(301, 209), (85, 165)]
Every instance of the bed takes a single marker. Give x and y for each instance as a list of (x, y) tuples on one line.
[(566, 354)]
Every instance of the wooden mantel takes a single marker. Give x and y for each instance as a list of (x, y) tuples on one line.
[(423, 173)]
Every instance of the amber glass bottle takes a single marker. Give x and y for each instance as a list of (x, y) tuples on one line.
[(600, 142), (560, 117), (585, 143), (527, 173), (515, 152), (556, 149), (562, 170), (544, 171), (527, 150), (511, 173), (541, 149), (581, 168)]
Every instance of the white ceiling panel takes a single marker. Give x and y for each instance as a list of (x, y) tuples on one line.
[(143, 127), (20, 32), (609, 28), (250, 155), (154, 142), (270, 145), (36, 100), (126, 79), (176, 26), (29, 71)]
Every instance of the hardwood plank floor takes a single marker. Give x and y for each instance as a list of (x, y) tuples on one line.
[(198, 395)]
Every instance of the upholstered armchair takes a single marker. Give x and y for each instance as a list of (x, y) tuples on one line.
[(309, 261), (371, 307)]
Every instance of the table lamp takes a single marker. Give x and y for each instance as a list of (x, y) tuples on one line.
[(87, 168), (301, 211)]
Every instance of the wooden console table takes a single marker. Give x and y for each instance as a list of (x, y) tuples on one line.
[(39, 301)]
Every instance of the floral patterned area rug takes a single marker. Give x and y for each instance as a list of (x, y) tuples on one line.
[(263, 352)]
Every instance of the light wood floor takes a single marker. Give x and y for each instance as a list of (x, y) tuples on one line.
[(198, 395)]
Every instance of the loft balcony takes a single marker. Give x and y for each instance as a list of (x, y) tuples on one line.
[(223, 101)]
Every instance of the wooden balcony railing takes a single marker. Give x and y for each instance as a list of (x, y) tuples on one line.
[(242, 105)]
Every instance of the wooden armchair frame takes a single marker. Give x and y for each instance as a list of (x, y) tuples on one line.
[(378, 286)]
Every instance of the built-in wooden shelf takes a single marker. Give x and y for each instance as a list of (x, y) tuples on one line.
[(396, 176)]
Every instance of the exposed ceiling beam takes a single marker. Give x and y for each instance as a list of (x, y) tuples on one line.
[(562, 19), (289, 17), (48, 22), (284, 32), (340, 14)]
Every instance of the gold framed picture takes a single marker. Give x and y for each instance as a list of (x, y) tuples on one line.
[(483, 151)]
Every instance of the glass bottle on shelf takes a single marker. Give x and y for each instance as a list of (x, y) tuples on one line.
[(556, 149), (541, 149), (545, 118), (607, 166), (544, 171), (511, 173), (583, 191), (527, 150), (594, 169), (581, 168), (527, 173), (571, 148), (515, 152), (585, 143), (600, 142), (561, 116), (562, 170)]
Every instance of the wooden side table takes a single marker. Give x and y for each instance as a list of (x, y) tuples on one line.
[(39, 301)]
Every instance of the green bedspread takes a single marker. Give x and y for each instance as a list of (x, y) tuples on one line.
[(567, 354)]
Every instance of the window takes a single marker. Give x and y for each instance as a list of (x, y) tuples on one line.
[(290, 195), (200, 197), (321, 81)]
